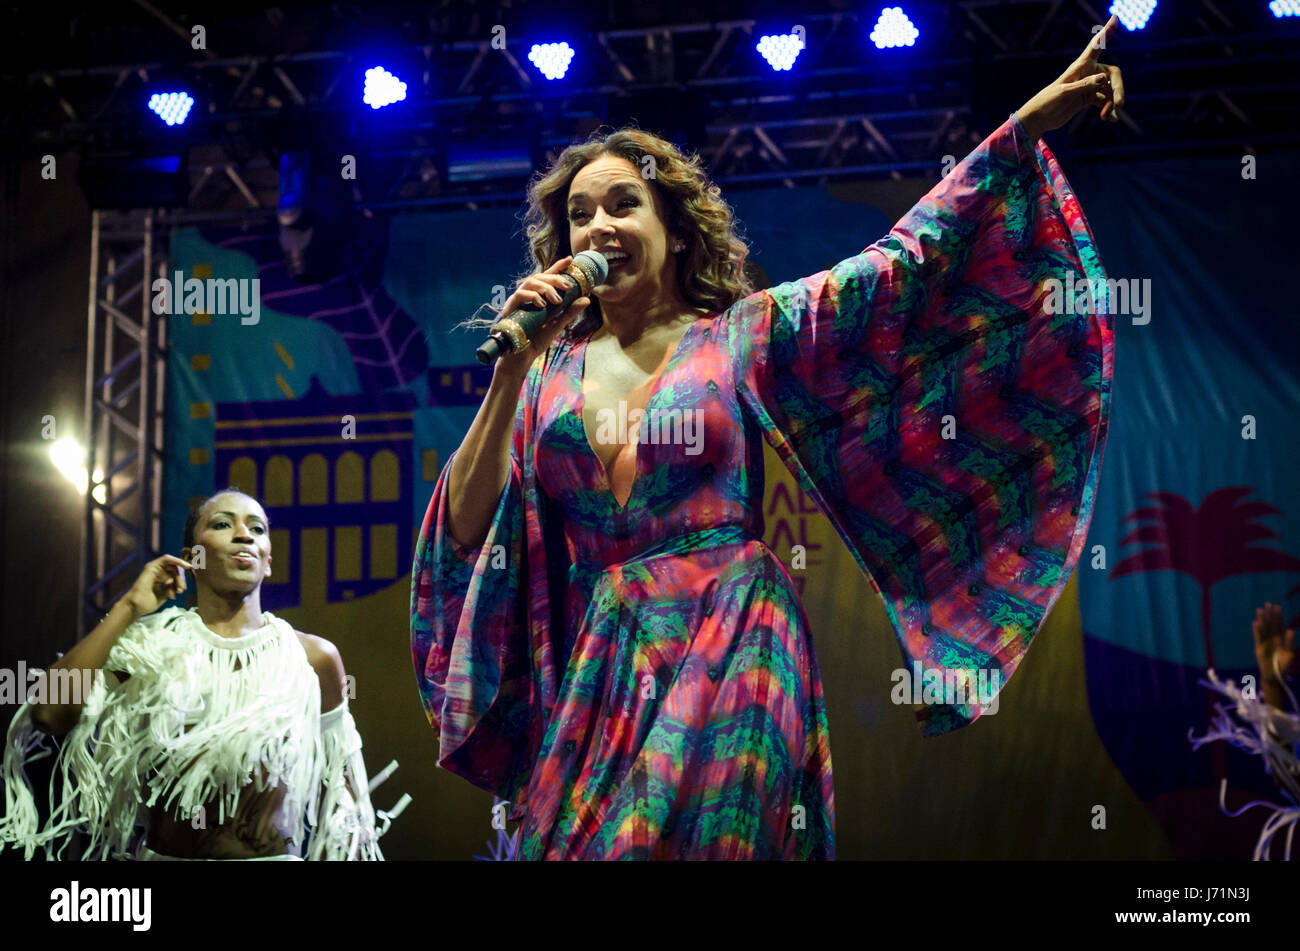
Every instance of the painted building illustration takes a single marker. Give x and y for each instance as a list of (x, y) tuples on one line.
[(334, 474)]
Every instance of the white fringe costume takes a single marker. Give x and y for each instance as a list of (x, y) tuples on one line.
[(199, 718), (1273, 735)]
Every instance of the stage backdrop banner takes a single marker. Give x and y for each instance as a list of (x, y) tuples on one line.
[(335, 404), (1196, 521)]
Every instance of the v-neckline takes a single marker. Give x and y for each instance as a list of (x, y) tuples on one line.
[(622, 507)]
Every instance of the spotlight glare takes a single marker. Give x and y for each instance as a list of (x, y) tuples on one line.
[(171, 107), (1133, 13), (551, 59), (382, 88), (893, 29), (69, 458), (1285, 8)]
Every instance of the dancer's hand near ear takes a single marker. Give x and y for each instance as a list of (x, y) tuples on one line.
[(162, 579)]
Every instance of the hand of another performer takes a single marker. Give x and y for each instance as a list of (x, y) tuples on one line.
[(1086, 82), (162, 579), (537, 291), (1275, 652)]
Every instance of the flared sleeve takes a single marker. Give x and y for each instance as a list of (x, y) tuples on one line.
[(480, 625), (946, 412)]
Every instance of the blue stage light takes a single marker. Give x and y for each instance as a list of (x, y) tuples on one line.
[(1285, 8), (382, 88), (551, 59), (1133, 13), (780, 50), (893, 29), (171, 107)]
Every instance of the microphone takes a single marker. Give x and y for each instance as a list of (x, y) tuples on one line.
[(588, 269)]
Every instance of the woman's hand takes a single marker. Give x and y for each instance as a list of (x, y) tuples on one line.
[(1086, 82), (538, 291), (162, 579), (1274, 650)]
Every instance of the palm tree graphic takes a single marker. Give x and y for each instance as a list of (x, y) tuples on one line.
[(1210, 543)]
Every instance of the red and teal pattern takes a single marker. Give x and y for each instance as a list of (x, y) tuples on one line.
[(639, 680)]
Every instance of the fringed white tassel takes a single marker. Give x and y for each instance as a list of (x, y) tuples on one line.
[(23, 744), (26, 744), (1273, 735), (343, 821), (197, 721)]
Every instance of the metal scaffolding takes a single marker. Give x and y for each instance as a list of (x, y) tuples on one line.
[(125, 381)]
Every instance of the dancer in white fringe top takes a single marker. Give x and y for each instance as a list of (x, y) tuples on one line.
[(204, 727), (1259, 723)]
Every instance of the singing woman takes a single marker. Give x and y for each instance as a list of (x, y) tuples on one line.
[(600, 634)]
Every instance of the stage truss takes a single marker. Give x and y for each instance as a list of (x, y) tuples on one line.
[(1218, 76), (125, 390), (1209, 75)]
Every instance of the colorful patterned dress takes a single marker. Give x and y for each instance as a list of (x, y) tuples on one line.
[(639, 680)]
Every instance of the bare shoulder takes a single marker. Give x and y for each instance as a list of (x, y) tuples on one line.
[(318, 647), (325, 659)]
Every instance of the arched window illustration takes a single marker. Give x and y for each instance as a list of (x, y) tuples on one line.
[(341, 510), (279, 481), (385, 476), (243, 473), (314, 480), (350, 478)]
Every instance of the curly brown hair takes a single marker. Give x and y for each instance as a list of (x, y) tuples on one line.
[(711, 270)]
